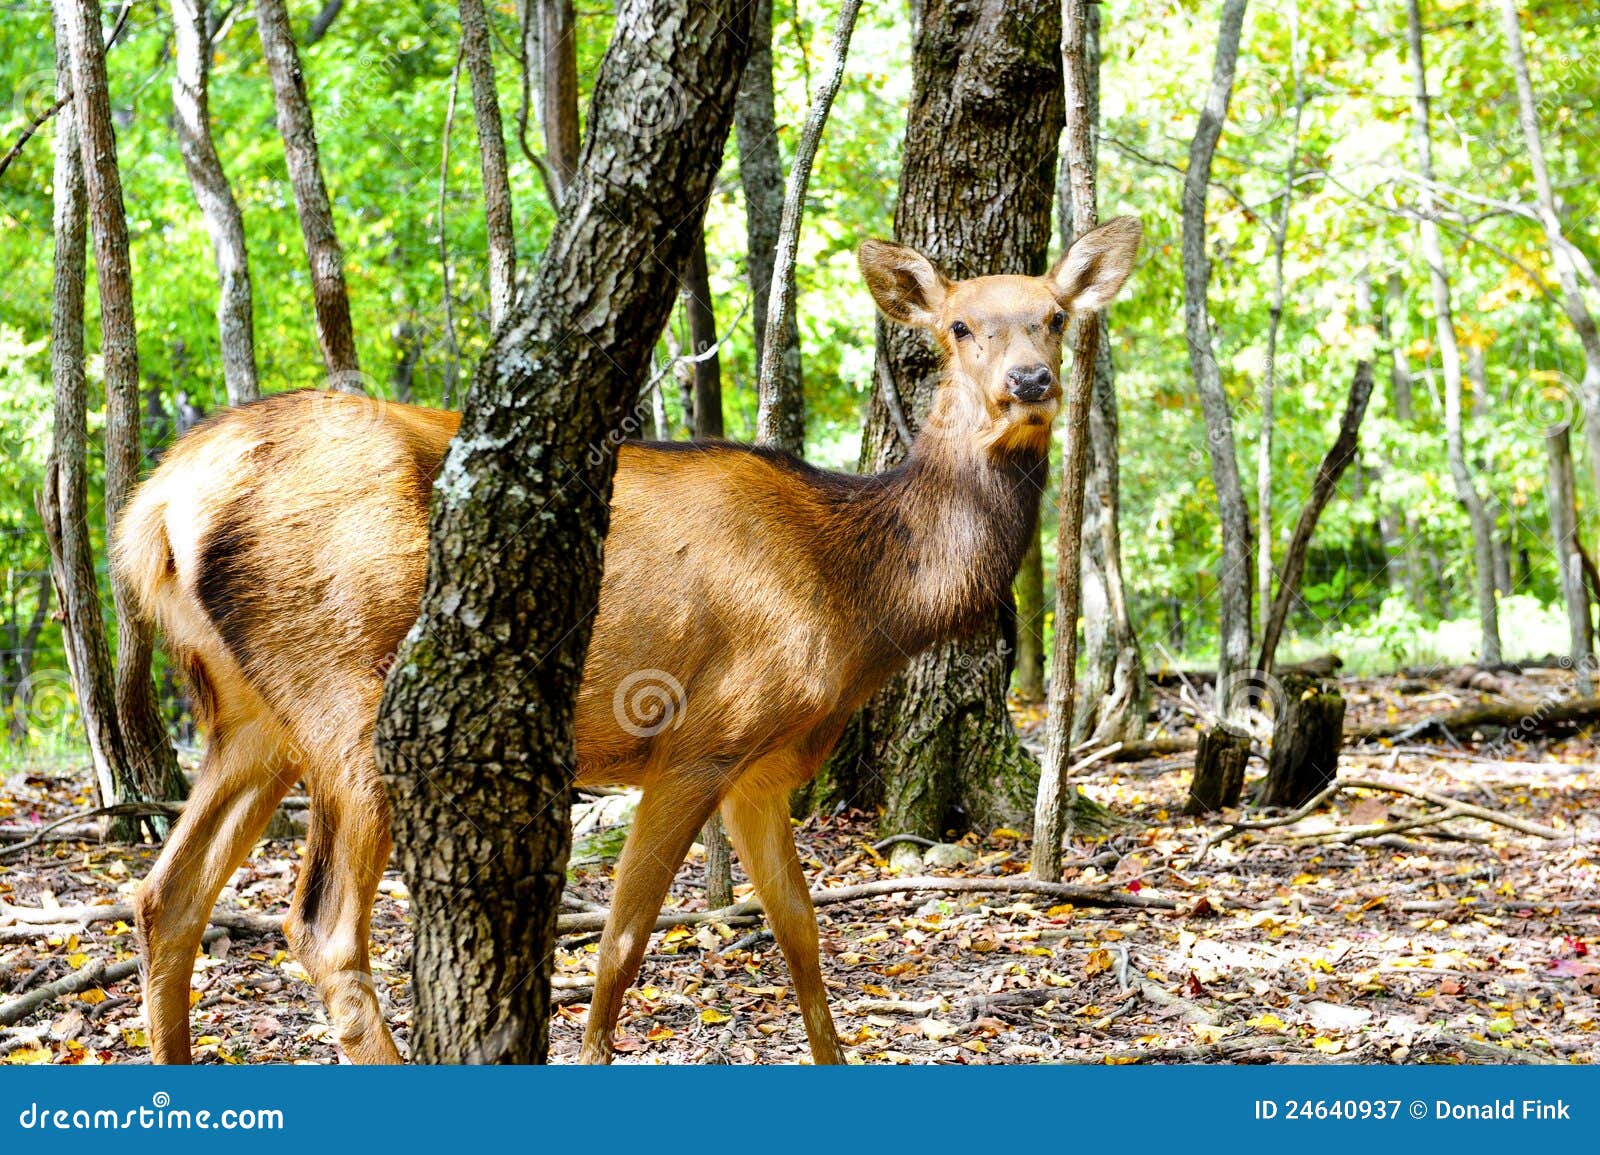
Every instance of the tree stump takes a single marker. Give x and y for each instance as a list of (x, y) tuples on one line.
[(1306, 736), (1219, 765)]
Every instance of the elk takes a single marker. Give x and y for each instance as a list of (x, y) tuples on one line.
[(750, 603)]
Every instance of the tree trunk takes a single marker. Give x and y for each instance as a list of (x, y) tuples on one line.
[(479, 777), (1561, 249), (1307, 733), (1559, 497), (1233, 581), (1269, 380), (771, 416), (192, 115), (1221, 759), (1401, 546), (326, 259), (1338, 458), (985, 115), (696, 291), (1449, 352), (20, 692), (1116, 694), (761, 175), (478, 52), (1052, 805), (148, 762), (550, 88), (1028, 683)]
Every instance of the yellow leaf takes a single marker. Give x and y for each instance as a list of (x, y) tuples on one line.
[(1060, 911), (1120, 1060), (1302, 880), (1206, 1033), (77, 960), (1004, 832), (194, 997), (1041, 951), (1327, 1046), (1267, 1022), (29, 1055), (135, 1037), (712, 1015), (94, 996), (208, 1040), (1099, 960), (659, 1034), (677, 934)]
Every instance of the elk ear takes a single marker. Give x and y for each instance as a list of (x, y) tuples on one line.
[(1091, 274), (904, 282)]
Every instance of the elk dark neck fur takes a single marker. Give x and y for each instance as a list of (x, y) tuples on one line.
[(927, 550)]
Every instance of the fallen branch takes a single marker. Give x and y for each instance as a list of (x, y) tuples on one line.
[(96, 974), (53, 918), (1466, 809), (590, 921), (1524, 717), (119, 810)]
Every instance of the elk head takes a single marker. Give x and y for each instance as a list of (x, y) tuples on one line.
[(1000, 337)]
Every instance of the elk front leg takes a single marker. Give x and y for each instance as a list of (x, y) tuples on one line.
[(234, 799), (669, 816), (347, 847), (762, 836)]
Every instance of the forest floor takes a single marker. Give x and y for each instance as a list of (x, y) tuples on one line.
[(1459, 942)]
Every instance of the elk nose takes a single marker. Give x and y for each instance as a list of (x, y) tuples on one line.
[(1030, 383)]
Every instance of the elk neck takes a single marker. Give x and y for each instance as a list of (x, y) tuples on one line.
[(927, 550)]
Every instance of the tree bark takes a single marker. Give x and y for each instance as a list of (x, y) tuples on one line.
[(1221, 758), (550, 88), (696, 292), (192, 115), (65, 501), (1307, 734), (478, 52), (1562, 251), (1390, 316), (1560, 499), (1334, 463), (148, 760), (755, 122), (984, 120), (478, 777), (1234, 579), (1116, 694), (323, 254), (1269, 380), (1052, 806), (1028, 682), (1449, 352), (776, 411)]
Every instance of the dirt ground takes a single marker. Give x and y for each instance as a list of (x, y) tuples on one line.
[(1465, 941)]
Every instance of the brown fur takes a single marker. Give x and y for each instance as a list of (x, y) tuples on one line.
[(750, 604)]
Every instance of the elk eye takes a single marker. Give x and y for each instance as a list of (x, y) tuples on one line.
[(961, 331), (1058, 320)]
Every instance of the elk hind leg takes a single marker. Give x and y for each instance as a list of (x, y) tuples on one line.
[(758, 824), (347, 847), (239, 787), (670, 814)]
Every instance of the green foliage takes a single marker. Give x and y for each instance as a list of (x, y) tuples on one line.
[(379, 84)]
